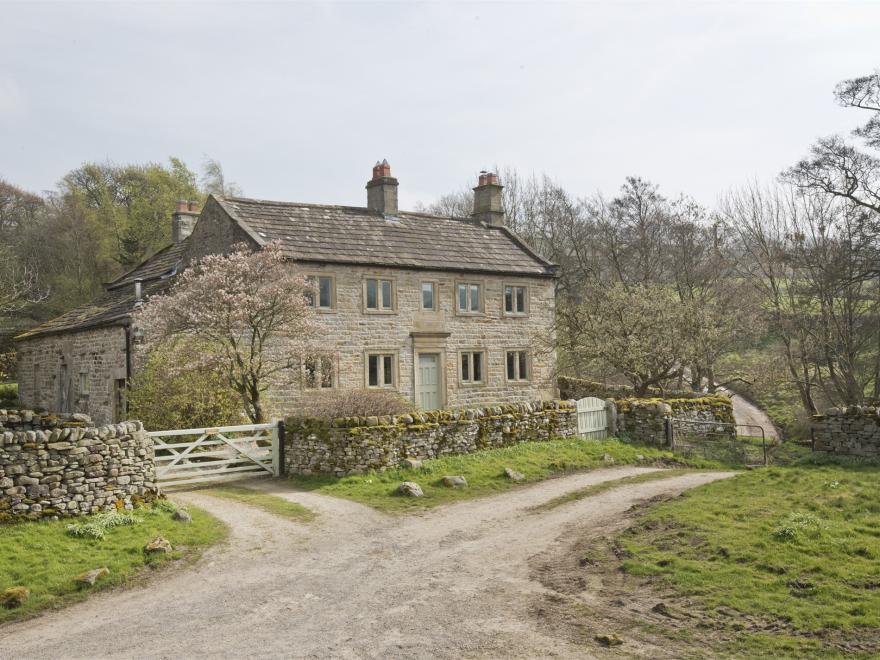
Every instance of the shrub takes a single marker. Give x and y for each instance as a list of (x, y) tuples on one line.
[(355, 403), (8, 395), (97, 525), (797, 526), (164, 398)]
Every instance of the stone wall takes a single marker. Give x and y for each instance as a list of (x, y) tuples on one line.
[(854, 431), (355, 444), (76, 372), (643, 420), (57, 465)]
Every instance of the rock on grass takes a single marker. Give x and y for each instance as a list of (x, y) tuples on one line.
[(14, 596), (454, 481), (182, 515), (157, 545), (410, 489), (513, 475), (90, 577)]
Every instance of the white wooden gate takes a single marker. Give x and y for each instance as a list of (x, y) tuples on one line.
[(592, 418), (223, 453)]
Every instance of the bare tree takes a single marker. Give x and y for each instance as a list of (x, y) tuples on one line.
[(214, 180), (837, 168), (19, 283)]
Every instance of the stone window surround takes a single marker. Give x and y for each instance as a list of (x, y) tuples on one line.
[(379, 278), (334, 369), (526, 300), (84, 384), (395, 368), (518, 381), (485, 363), (316, 306), (479, 282), (436, 286)]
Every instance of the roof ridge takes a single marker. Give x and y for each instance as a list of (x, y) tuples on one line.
[(343, 207)]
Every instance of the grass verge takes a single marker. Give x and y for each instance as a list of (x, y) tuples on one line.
[(595, 489), (794, 552), (484, 471), (43, 557), (270, 503)]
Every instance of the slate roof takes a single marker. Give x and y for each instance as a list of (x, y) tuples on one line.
[(111, 308), (164, 263), (326, 234), (353, 235)]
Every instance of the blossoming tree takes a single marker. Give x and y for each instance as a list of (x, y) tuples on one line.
[(248, 313)]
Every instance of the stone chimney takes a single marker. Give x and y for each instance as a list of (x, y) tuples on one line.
[(488, 205), (184, 219), (382, 190)]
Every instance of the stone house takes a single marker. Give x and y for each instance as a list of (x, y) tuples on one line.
[(446, 311)]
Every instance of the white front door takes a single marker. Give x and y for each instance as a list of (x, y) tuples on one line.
[(429, 381)]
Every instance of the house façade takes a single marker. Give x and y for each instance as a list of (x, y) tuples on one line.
[(449, 312)]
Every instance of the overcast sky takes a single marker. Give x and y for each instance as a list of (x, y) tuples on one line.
[(299, 100)]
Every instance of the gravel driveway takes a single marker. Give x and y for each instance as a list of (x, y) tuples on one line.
[(453, 582)]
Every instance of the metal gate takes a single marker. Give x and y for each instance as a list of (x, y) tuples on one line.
[(743, 444), (592, 418), (223, 453)]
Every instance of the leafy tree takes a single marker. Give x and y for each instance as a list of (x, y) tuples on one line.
[(640, 330), (249, 313), (163, 397), (128, 204)]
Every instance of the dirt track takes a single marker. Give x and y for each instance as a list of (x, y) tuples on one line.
[(453, 582)]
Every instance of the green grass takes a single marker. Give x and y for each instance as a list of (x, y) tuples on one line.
[(484, 471), (798, 546), (45, 558), (271, 503), (595, 489)]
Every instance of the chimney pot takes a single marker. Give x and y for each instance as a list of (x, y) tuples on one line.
[(138, 292), (184, 219), (382, 190), (488, 203)]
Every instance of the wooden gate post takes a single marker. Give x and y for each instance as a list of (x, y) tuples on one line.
[(670, 435), (278, 447)]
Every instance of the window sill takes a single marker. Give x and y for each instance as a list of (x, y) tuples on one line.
[(515, 315), (470, 385), (380, 312)]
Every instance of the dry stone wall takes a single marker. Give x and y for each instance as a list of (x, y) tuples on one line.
[(59, 465), (353, 445), (644, 420), (853, 431)]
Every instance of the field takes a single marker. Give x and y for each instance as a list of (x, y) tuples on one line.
[(485, 474), (778, 561), (43, 557)]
